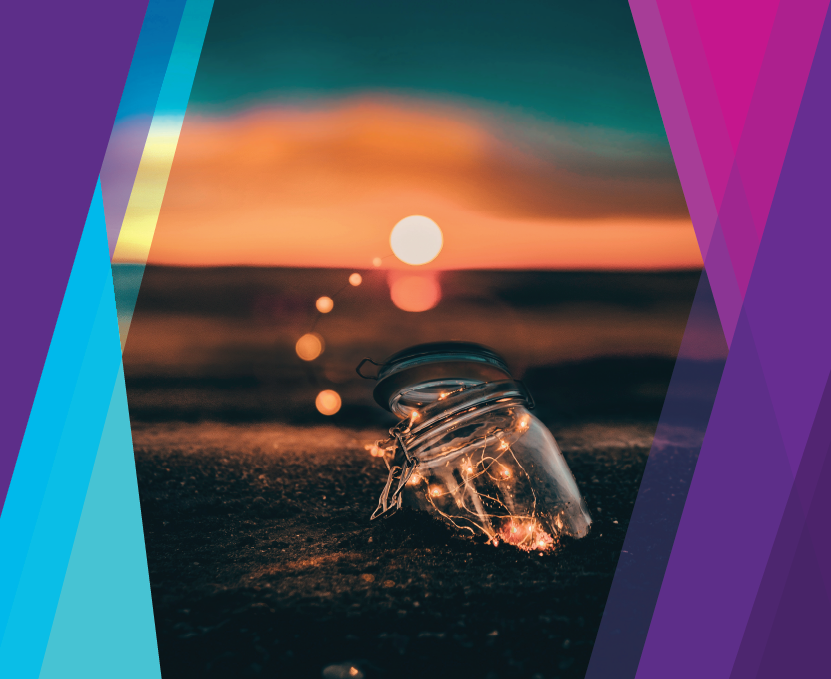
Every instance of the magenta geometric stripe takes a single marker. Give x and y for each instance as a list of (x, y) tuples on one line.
[(803, 501)]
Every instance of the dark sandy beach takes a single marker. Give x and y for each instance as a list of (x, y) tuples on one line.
[(263, 561)]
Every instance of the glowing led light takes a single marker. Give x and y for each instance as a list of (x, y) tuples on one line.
[(374, 450), (353, 671), (419, 292), (355, 279), (415, 479), (416, 240), (506, 473), (324, 305), (328, 402), (309, 347), (435, 492), (377, 261)]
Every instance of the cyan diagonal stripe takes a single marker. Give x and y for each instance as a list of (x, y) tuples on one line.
[(107, 578), (49, 485), (178, 81)]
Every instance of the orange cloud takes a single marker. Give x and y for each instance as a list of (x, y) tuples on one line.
[(324, 187)]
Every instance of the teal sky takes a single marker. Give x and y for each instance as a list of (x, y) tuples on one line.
[(574, 64)]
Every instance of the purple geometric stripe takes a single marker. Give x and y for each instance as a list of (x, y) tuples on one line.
[(798, 644), (768, 398), (813, 475), (741, 484), (740, 236), (801, 570), (788, 301), (61, 96), (726, 290), (661, 496)]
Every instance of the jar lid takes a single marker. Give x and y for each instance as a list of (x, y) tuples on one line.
[(436, 361)]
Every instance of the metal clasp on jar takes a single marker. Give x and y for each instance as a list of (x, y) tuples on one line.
[(389, 503)]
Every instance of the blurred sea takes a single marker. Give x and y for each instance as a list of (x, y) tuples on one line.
[(218, 343)]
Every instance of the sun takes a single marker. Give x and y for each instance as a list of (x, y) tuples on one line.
[(416, 240)]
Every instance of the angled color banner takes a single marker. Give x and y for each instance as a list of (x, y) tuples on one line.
[(70, 527), (742, 91)]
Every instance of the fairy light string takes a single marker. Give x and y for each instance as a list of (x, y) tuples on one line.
[(311, 345), (478, 509)]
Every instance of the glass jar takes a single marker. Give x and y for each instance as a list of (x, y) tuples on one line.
[(468, 451)]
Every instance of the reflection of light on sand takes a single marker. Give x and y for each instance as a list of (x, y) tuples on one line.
[(309, 347), (416, 240), (324, 305), (328, 402), (415, 292)]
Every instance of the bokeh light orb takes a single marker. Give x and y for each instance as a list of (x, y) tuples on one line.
[(324, 305), (328, 402), (310, 346), (416, 240), (418, 292), (377, 261), (355, 279)]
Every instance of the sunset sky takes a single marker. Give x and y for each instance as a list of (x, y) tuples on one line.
[(528, 131)]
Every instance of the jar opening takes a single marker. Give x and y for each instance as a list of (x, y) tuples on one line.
[(419, 375)]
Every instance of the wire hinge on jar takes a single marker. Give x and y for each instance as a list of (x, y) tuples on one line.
[(388, 503)]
